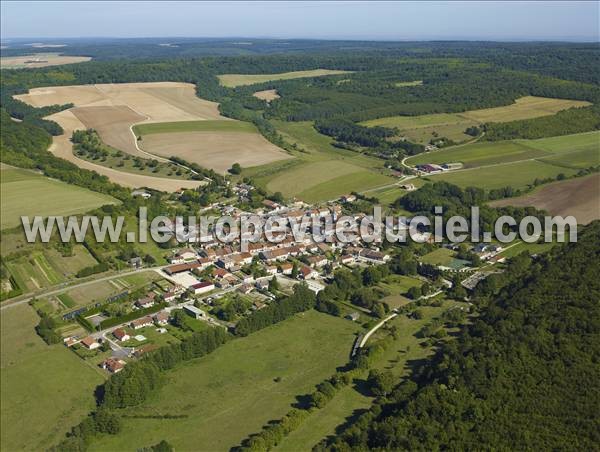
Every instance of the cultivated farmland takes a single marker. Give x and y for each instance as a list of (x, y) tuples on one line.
[(176, 121), (233, 80), (39, 60), (25, 192), (211, 144), (453, 125), (579, 197), (232, 392)]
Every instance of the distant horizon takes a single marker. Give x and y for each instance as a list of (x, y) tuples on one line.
[(497, 21), (43, 39)]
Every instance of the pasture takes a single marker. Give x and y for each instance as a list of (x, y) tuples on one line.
[(39, 60), (423, 128), (320, 171), (515, 174), (28, 193), (579, 197), (233, 80), (516, 163), (232, 392), (46, 390)]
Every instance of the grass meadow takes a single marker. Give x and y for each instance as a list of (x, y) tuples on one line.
[(195, 126), (24, 192), (233, 392), (51, 389)]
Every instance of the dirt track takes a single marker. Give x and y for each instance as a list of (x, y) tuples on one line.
[(112, 124), (62, 147), (579, 197), (216, 150)]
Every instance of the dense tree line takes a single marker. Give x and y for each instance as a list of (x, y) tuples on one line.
[(301, 300), (25, 145), (523, 375), (80, 436), (574, 120), (138, 379)]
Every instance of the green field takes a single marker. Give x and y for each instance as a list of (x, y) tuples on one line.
[(319, 171), (413, 83), (441, 256), (195, 126), (233, 80), (398, 285), (232, 392), (516, 175), (515, 163), (582, 149), (424, 128), (46, 390), (27, 193)]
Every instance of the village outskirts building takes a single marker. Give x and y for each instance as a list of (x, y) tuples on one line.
[(195, 312)]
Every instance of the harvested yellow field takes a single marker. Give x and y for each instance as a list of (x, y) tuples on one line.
[(157, 101), (113, 124), (215, 150), (268, 95), (112, 109), (233, 80), (524, 108), (39, 60)]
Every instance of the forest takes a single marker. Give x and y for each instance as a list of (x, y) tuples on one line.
[(522, 376)]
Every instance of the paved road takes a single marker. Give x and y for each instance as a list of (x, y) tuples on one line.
[(64, 287)]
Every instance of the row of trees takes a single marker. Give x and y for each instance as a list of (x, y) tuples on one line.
[(133, 384), (301, 300)]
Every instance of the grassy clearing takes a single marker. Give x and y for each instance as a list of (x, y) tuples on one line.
[(516, 175), (27, 193), (232, 392), (441, 256), (531, 248), (398, 285), (320, 171), (45, 389), (233, 80), (413, 83), (195, 126)]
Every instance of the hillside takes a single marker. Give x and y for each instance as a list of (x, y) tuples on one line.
[(522, 377)]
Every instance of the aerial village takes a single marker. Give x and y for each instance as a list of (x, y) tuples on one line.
[(208, 284)]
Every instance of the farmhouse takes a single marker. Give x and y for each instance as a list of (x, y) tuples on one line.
[(317, 261), (121, 335), (307, 273), (145, 302), (183, 256), (373, 256), (286, 268), (90, 343), (194, 312), (179, 268), (113, 365), (141, 323), (161, 318)]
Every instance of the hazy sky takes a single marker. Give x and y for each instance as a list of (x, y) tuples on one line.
[(342, 20)]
